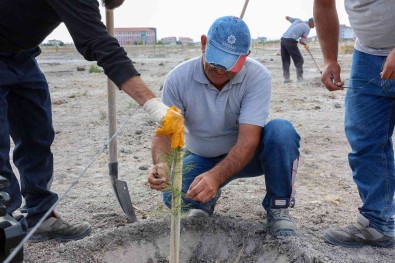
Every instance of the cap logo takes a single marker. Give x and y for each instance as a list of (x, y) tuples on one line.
[(231, 39)]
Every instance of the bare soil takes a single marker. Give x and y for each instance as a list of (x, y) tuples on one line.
[(326, 194)]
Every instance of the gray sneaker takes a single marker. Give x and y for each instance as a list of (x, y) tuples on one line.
[(358, 235), (198, 213), (58, 229), (279, 223)]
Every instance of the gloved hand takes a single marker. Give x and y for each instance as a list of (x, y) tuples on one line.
[(156, 109), (173, 125), (306, 47)]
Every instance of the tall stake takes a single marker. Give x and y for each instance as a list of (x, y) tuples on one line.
[(176, 186)]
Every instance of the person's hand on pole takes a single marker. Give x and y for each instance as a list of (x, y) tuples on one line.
[(173, 125), (157, 176), (331, 77), (306, 47), (155, 109), (171, 119), (389, 67)]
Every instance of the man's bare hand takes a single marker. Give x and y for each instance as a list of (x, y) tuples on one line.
[(331, 77), (389, 67), (203, 188), (157, 176)]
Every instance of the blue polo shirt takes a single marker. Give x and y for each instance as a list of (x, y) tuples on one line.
[(298, 29)]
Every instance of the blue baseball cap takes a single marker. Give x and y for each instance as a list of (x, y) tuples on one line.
[(311, 20), (228, 44)]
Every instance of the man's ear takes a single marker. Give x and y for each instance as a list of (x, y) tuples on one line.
[(203, 40)]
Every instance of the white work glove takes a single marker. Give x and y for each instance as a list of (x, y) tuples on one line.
[(156, 109), (171, 120)]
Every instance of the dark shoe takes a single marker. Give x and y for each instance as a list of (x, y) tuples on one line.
[(58, 229), (301, 80), (287, 81), (358, 235), (280, 223)]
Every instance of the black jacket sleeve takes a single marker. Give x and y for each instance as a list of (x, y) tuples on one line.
[(83, 20)]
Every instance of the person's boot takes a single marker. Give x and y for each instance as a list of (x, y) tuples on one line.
[(57, 228), (279, 222), (358, 235)]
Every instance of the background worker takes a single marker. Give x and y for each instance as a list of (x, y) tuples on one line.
[(296, 32), (25, 104), (369, 114), (225, 99)]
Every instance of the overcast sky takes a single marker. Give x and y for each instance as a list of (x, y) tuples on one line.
[(185, 18)]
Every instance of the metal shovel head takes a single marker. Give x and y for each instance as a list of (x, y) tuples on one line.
[(123, 197)]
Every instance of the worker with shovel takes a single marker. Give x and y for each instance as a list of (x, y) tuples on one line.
[(225, 99), (296, 32), (25, 104)]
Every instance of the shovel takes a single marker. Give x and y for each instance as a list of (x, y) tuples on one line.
[(120, 187), (308, 50)]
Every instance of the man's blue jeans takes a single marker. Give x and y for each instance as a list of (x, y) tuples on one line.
[(25, 114), (277, 158), (369, 125)]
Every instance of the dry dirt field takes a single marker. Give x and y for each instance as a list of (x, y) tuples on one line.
[(326, 194)]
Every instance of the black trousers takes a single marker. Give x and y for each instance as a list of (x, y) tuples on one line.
[(289, 49)]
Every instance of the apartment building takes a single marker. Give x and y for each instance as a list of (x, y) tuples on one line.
[(135, 35)]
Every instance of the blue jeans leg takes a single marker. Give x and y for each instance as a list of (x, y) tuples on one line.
[(29, 116), (277, 158), (369, 125)]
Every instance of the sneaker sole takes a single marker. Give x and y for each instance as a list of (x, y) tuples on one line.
[(330, 239), (35, 238)]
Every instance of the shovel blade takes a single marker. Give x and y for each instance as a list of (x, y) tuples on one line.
[(123, 197)]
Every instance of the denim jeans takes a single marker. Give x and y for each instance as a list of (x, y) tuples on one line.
[(25, 115), (369, 125), (277, 158)]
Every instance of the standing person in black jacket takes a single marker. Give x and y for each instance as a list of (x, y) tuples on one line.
[(25, 105)]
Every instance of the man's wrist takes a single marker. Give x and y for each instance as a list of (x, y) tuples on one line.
[(156, 109)]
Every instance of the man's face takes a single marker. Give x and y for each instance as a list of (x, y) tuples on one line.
[(217, 75), (112, 4)]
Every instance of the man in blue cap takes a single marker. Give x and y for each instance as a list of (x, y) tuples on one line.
[(225, 100), (296, 32)]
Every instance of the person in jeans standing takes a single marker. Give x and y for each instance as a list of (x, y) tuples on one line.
[(369, 114), (296, 32), (25, 102), (225, 100)]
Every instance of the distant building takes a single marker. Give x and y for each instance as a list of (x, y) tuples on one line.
[(346, 32), (54, 42), (135, 35), (169, 40), (259, 40), (185, 40)]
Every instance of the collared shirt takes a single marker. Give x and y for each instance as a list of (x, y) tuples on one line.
[(373, 22), (212, 117), (298, 29)]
